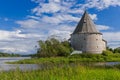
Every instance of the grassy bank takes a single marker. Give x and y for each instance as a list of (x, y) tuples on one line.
[(67, 68), (65, 72), (71, 59)]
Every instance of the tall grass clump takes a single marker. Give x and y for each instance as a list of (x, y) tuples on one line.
[(64, 72)]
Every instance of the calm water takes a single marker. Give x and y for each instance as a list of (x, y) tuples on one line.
[(6, 67), (107, 63)]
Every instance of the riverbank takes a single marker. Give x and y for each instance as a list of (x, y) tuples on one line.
[(64, 72), (64, 68), (66, 60), (77, 67)]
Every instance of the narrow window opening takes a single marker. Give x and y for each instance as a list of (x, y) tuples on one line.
[(84, 21)]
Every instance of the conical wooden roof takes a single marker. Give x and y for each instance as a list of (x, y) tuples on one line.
[(86, 25)]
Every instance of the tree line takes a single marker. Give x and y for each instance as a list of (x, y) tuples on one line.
[(9, 55), (53, 48)]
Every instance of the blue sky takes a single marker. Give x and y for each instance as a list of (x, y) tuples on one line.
[(24, 22)]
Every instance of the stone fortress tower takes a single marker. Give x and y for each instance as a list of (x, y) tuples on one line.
[(86, 37)]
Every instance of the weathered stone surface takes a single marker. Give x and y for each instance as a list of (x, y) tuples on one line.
[(86, 37)]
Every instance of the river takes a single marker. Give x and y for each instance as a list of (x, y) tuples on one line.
[(24, 67), (6, 67)]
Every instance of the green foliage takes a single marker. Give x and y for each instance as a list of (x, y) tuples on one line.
[(106, 53), (85, 55), (74, 71), (73, 58), (8, 55), (110, 49), (53, 48), (64, 72), (117, 50), (105, 56)]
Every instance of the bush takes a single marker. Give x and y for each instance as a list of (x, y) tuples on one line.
[(107, 53), (53, 48), (116, 55), (117, 50), (86, 55)]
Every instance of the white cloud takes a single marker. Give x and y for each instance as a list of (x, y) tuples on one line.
[(101, 4), (60, 34), (18, 42), (51, 7), (62, 14), (112, 38), (55, 7), (33, 17), (47, 8), (76, 11), (57, 0), (28, 23), (64, 6), (93, 16), (102, 27), (18, 46), (63, 31), (8, 35), (55, 17)]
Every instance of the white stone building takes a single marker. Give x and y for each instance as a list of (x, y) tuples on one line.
[(86, 37)]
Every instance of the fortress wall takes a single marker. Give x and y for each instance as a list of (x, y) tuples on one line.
[(88, 43), (94, 43)]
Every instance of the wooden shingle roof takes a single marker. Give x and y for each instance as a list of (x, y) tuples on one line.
[(86, 25)]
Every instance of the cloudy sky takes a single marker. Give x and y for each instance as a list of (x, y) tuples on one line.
[(24, 22)]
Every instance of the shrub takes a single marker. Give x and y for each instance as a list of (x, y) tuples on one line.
[(53, 48), (107, 53), (86, 55), (117, 50)]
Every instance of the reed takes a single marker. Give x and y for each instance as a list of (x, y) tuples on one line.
[(66, 72)]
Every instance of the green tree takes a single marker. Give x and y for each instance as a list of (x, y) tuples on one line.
[(53, 48), (107, 53), (110, 49), (117, 50)]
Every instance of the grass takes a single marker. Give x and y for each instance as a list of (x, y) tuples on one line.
[(68, 60), (67, 68), (65, 72)]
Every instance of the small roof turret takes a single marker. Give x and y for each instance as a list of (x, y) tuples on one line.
[(86, 25)]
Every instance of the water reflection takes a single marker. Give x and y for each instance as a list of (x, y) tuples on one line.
[(23, 67), (107, 63)]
